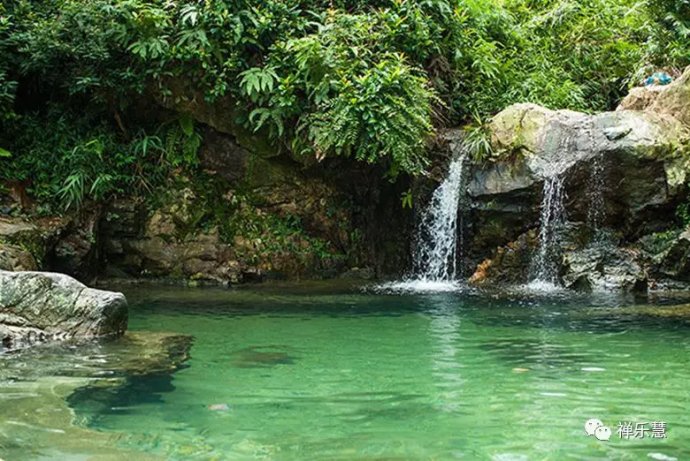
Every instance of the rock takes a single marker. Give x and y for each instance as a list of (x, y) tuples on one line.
[(29, 236), (220, 155), (674, 261), (55, 390), (15, 258), (510, 264), (41, 306), (67, 244), (641, 97), (637, 156), (222, 115), (281, 229), (604, 267), (358, 273), (674, 99), (76, 250), (218, 407)]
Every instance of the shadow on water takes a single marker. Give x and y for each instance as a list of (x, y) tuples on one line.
[(263, 357), (95, 402)]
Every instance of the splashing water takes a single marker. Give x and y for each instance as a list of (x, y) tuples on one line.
[(545, 265), (436, 244), (596, 211)]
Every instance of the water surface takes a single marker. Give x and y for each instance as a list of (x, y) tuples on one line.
[(324, 373)]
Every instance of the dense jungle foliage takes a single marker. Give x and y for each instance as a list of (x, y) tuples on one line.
[(369, 80)]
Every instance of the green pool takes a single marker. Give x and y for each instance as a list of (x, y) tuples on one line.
[(319, 372)]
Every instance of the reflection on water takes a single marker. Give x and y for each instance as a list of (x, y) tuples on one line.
[(444, 330), (277, 373)]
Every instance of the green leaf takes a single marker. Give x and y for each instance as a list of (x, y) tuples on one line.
[(187, 124), (4, 153)]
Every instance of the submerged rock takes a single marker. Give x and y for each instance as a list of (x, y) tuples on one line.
[(262, 357), (51, 395), (42, 306)]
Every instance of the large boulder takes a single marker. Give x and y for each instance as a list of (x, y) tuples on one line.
[(672, 99), (42, 306), (627, 167), (604, 268)]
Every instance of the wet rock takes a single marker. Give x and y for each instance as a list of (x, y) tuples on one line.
[(604, 267), (46, 389), (637, 156), (509, 264), (674, 261), (218, 407), (358, 273), (41, 306), (262, 357)]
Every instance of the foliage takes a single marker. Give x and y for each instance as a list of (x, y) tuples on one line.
[(671, 44), (477, 140), (407, 199), (80, 157), (370, 80)]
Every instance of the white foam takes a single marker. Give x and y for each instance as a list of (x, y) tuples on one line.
[(542, 286), (420, 286)]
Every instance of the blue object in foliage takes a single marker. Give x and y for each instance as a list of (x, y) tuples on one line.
[(658, 78)]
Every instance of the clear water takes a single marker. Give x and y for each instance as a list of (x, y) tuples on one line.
[(327, 373)]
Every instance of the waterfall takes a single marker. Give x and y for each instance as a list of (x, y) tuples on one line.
[(436, 241), (436, 244), (544, 270), (596, 211)]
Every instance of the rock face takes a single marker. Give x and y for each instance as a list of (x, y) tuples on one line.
[(66, 244), (604, 268), (40, 306), (243, 218), (186, 237), (627, 167)]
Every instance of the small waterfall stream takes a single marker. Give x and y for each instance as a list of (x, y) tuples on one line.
[(544, 270), (596, 212), (436, 244)]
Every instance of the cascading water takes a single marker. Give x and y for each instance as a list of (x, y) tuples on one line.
[(436, 242), (596, 211), (544, 268)]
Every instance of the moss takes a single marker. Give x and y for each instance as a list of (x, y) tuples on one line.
[(659, 242)]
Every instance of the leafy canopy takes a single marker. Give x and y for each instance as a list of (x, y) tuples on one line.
[(369, 80)]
